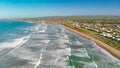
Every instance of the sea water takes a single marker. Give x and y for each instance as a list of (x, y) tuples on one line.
[(34, 45)]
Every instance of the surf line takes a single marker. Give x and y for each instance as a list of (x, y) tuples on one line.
[(22, 41), (69, 57), (39, 61), (57, 57), (41, 54)]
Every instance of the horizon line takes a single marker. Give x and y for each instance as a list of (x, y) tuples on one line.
[(54, 16)]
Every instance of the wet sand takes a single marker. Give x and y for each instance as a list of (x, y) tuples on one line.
[(110, 49)]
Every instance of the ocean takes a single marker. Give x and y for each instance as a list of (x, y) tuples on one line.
[(40, 45)]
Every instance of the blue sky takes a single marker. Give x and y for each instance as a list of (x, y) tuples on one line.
[(40, 8)]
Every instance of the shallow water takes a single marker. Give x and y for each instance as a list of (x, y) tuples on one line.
[(50, 46)]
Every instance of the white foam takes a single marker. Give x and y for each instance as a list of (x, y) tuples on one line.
[(79, 43), (76, 43), (26, 31), (69, 54), (24, 39), (36, 28), (90, 65), (41, 31), (39, 28), (63, 30), (45, 41), (65, 36), (105, 52), (69, 49), (81, 52), (39, 61), (15, 43), (96, 66), (57, 56), (60, 55), (62, 41)]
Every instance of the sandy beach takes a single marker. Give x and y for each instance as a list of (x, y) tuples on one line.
[(110, 49)]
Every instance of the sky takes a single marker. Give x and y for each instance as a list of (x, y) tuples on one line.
[(41, 8)]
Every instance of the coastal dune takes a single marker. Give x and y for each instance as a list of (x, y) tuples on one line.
[(111, 50)]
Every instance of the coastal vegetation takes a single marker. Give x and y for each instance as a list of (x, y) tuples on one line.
[(103, 28), (96, 35)]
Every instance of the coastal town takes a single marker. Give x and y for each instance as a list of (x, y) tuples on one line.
[(109, 30), (103, 28), (59, 33), (106, 30)]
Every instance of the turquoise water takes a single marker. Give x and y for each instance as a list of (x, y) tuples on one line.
[(13, 29), (32, 45)]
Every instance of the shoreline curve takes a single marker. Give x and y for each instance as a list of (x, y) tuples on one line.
[(111, 50)]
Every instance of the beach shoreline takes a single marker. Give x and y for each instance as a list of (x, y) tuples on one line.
[(111, 50)]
